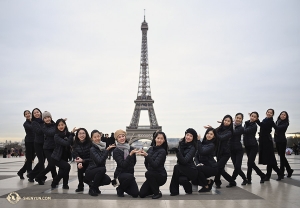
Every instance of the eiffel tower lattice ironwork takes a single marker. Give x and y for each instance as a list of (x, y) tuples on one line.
[(144, 100)]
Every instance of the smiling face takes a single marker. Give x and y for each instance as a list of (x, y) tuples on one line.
[(121, 138), (227, 122), (96, 137), (36, 113), (253, 117), (210, 135), (188, 137), (61, 126), (82, 135), (47, 119), (269, 113), (283, 116), (159, 140), (27, 115), (238, 119)]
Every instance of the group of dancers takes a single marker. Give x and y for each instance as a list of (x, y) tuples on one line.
[(197, 160)]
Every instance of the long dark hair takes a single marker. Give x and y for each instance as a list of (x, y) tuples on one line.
[(87, 136), (164, 145), (222, 127), (214, 140), (255, 113), (195, 137), (271, 110), (287, 116), (34, 118), (65, 132)]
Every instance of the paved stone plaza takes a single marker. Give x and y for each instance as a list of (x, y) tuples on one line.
[(270, 194)]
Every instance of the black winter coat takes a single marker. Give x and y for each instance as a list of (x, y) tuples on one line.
[(205, 154), (280, 129), (38, 133), (98, 158), (61, 145), (28, 129), (249, 138), (186, 154), (223, 136), (124, 165), (235, 141), (49, 132), (82, 150), (155, 160)]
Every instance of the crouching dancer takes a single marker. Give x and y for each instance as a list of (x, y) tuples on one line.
[(155, 159), (96, 170), (125, 157), (205, 162)]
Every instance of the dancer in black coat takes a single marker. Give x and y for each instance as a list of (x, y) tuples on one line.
[(48, 128), (205, 162), (95, 173), (156, 174), (281, 126), (63, 140), (29, 145), (251, 147), (236, 148), (185, 170), (81, 152), (266, 148), (125, 157), (36, 124), (223, 134)]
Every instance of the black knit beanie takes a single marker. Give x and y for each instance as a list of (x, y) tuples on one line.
[(193, 132)]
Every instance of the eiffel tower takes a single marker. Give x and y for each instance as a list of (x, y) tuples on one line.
[(144, 100)]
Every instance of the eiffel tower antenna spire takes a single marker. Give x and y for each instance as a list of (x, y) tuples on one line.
[(144, 100)]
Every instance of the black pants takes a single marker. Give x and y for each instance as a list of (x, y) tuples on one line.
[(222, 160), (237, 159), (128, 184), (204, 172), (251, 152), (50, 167), (97, 177), (153, 181), (38, 147), (80, 174), (182, 175), (63, 172), (29, 155), (281, 147)]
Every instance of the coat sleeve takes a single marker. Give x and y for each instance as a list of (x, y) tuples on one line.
[(48, 131), (205, 149), (157, 161), (98, 159), (250, 129), (36, 127), (63, 142), (238, 131), (282, 127), (223, 137), (187, 158), (119, 158), (27, 126)]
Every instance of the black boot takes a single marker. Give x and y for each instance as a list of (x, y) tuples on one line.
[(92, 192), (20, 175), (40, 182), (245, 182), (157, 196), (231, 185), (79, 189), (120, 192), (290, 173), (204, 189)]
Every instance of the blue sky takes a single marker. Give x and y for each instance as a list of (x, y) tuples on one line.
[(80, 60)]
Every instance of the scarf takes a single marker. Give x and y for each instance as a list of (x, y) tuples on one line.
[(101, 145), (125, 148)]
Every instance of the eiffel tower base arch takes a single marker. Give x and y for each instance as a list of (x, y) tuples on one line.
[(133, 135)]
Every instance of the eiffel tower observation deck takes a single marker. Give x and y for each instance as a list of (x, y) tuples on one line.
[(144, 100)]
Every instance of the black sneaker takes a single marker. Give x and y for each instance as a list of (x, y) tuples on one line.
[(40, 182), (30, 180), (20, 175), (79, 190), (280, 177), (65, 186), (231, 185), (245, 182), (92, 192), (290, 173), (204, 189), (159, 195)]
